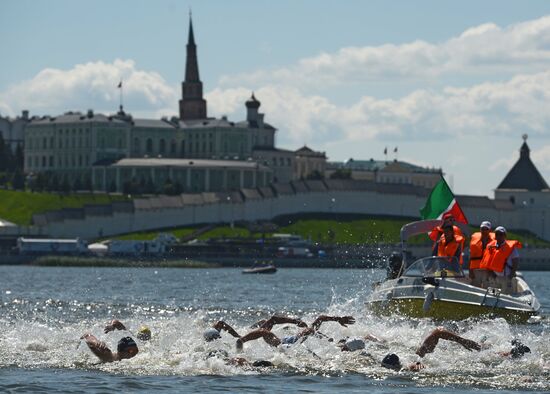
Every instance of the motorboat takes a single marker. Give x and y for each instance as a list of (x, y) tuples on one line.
[(261, 269), (436, 287)]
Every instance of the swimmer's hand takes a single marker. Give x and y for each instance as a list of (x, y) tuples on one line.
[(417, 366), (114, 325), (301, 324), (345, 320)]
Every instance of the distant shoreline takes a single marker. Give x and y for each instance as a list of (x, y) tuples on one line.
[(212, 262)]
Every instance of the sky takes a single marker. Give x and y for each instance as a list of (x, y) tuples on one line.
[(451, 85)]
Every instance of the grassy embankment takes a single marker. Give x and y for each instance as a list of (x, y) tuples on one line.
[(18, 207), (358, 231)]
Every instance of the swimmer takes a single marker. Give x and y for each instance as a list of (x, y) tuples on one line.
[(353, 344), (143, 334), (126, 348), (392, 361), (237, 361), (275, 341), (214, 332)]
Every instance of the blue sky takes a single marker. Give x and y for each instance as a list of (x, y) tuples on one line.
[(451, 84)]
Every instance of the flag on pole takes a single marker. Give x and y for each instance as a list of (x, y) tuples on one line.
[(442, 201), (386, 150), (395, 150), (119, 84)]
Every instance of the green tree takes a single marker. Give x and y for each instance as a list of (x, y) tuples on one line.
[(341, 174), (18, 180), (65, 185), (77, 185)]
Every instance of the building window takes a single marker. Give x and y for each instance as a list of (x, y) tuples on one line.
[(45, 143), (43, 161), (274, 162), (162, 146), (137, 146), (51, 143), (51, 161), (173, 147), (149, 145)]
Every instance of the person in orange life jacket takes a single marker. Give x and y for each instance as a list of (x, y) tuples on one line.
[(478, 244), (436, 233), (501, 258), (449, 244)]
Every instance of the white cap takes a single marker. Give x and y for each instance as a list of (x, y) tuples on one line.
[(485, 224), (500, 229), (210, 334), (354, 344)]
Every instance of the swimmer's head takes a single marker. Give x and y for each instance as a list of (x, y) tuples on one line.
[(351, 345), (391, 361), (218, 353), (211, 334), (519, 349), (127, 347), (144, 333)]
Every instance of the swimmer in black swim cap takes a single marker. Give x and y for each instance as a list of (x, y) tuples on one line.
[(126, 348)]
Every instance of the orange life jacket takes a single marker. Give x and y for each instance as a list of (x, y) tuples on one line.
[(453, 248), (437, 232), (494, 258), (477, 249)]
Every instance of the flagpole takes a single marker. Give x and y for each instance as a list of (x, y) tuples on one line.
[(120, 86)]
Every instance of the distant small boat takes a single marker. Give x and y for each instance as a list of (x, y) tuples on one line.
[(261, 269)]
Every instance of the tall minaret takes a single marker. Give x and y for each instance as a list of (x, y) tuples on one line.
[(192, 104)]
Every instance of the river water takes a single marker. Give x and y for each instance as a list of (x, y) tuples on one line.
[(43, 312)]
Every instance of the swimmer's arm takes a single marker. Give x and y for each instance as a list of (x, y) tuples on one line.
[(221, 325), (99, 348), (431, 341), (343, 320), (114, 325), (370, 337), (273, 320)]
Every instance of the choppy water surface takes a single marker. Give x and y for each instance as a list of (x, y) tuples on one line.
[(43, 312)]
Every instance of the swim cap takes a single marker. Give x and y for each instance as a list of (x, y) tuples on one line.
[(210, 334), (220, 353), (144, 333), (354, 344), (125, 343), (262, 363), (391, 361), (519, 349)]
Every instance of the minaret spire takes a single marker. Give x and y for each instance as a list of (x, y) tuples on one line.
[(192, 104)]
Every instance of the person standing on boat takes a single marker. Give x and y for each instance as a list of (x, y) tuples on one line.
[(478, 244), (449, 244), (437, 232), (501, 259)]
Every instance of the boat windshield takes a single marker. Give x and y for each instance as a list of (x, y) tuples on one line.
[(435, 267)]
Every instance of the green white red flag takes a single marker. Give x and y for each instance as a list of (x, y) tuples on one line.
[(442, 201)]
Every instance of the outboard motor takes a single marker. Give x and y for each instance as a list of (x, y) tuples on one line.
[(394, 265)]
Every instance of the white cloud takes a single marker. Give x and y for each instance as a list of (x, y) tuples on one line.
[(91, 85), (485, 50), (508, 108), (541, 158)]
